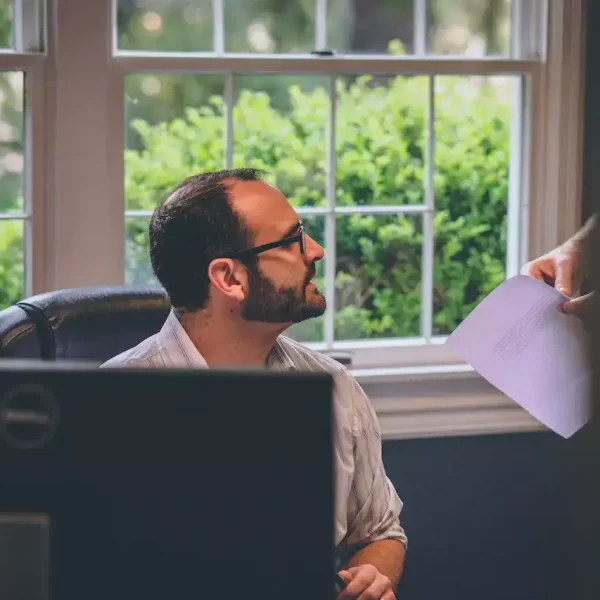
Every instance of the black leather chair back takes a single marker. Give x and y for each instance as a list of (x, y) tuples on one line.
[(93, 324)]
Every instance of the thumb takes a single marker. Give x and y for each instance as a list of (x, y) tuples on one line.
[(346, 576), (579, 306), (564, 276)]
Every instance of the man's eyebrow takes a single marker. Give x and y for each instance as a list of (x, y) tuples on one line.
[(291, 230)]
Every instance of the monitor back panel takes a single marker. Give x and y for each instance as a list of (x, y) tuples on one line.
[(166, 484)]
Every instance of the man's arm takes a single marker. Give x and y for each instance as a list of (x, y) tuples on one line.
[(387, 556), (375, 537)]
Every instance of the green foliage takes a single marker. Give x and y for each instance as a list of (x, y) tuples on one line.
[(381, 139), (11, 262)]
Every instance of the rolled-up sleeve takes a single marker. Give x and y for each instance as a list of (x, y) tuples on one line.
[(374, 506)]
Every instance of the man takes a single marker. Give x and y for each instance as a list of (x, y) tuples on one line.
[(237, 265), (565, 268)]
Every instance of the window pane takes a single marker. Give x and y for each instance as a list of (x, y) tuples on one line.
[(11, 262), (378, 276), (471, 27), (11, 141), (312, 330), (175, 128), (280, 125), (6, 24), (381, 140), (371, 26), (472, 155), (138, 269), (269, 26), (167, 26)]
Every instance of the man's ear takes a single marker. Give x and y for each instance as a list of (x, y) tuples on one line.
[(229, 278)]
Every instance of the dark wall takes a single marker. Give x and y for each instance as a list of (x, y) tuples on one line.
[(486, 516)]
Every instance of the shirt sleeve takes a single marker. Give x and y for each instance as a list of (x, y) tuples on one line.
[(374, 506)]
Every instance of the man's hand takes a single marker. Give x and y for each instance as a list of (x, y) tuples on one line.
[(365, 582), (560, 268)]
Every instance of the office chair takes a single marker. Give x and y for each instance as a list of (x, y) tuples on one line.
[(93, 324)]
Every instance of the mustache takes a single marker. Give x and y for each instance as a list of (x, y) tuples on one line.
[(312, 271)]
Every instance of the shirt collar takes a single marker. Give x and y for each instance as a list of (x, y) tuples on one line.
[(176, 347)]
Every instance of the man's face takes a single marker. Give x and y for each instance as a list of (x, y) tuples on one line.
[(280, 289)]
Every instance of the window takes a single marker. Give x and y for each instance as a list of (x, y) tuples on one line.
[(432, 146), (404, 162), (20, 39)]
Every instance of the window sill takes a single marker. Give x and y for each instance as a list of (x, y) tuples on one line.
[(440, 401)]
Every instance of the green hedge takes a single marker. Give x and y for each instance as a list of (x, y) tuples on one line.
[(381, 138), (380, 152)]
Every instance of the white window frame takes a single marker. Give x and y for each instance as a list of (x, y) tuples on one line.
[(77, 193)]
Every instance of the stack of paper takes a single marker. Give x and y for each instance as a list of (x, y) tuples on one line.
[(520, 341)]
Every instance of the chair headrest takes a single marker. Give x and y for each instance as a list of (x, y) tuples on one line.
[(93, 323)]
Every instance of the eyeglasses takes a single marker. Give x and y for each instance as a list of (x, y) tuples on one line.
[(286, 241)]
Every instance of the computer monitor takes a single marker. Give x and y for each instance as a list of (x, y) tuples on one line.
[(128, 484)]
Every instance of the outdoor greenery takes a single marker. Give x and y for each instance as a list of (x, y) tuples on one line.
[(380, 148), (176, 127)]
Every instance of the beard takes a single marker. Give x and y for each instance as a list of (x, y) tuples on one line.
[(270, 304)]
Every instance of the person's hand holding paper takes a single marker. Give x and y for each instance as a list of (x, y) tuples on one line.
[(565, 267), (520, 340)]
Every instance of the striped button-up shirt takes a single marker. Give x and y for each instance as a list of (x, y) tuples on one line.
[(367, 506)]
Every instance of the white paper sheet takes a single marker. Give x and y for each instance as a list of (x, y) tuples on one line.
[(523, 344)]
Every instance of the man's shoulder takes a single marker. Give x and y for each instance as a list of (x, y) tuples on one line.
[(305, 358), (143, 355)]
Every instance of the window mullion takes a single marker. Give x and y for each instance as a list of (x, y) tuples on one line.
[(420, 27), (229, 100), (528, 29), (218, 26), (28, 25), (428, 233), (515, 179), (330, 219), (321, 25)]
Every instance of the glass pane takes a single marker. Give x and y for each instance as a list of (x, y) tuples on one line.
[(175, 127), (6, 24), (471, 27), (167, 26), (472, 155), (378, 276), (11, 262), (280, 124), (371, 26), (381, 133), (269, 26), (11, 142), (138, 269), (312, 330)]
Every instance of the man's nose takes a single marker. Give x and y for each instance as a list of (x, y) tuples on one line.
[(313, 250)]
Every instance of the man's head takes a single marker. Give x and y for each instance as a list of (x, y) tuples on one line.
[(230, 241)]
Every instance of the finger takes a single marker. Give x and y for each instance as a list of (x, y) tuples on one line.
[(346, 576), (580, 307), (564, 276), (377, 589), (541, 269), (389, 595), (532, 269), (362, 578)]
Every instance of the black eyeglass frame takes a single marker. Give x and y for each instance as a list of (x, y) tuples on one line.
[(287, 241)]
